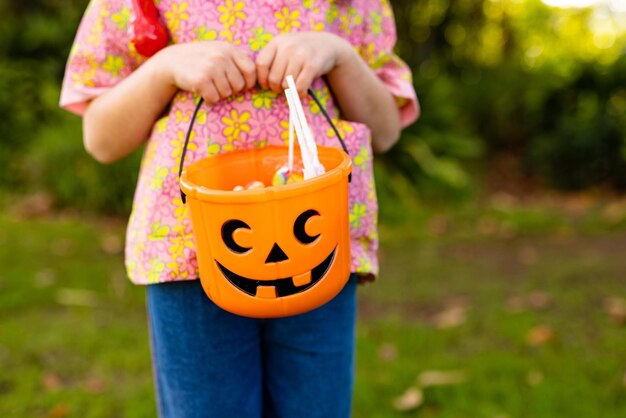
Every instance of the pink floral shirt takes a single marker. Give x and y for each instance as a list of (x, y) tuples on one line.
[(159, 244)]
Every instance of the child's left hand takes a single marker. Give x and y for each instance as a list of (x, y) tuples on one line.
[(304, 55)]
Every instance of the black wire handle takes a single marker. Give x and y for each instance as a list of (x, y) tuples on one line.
[(195, 114)]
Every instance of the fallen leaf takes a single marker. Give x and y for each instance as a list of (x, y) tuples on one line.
[(51, 382), (437, 225), (58, 411), (516, 304), (410, 400), (387, 352), (440, 378), (615, 307), (94, 385), (539, 300), (111, 244), (539, 335), (450, 317), (38, 204), (528, 255), (45, 277)]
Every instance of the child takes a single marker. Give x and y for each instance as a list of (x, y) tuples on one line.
[(235, 54)]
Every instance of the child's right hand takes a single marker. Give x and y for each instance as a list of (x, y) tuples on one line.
[(214, 69)]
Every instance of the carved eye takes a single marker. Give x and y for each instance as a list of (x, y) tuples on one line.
[(299, 224), (228, 229)]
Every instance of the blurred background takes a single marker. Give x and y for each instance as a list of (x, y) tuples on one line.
[(503, 225)]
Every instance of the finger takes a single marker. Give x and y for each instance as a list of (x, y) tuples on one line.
[(294, 68), (209, 93), (247, 68), (222, 85), (264, 62), (235, 78), (305, 79), (277, 74)]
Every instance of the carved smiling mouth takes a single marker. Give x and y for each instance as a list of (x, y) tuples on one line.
[(279, 287)]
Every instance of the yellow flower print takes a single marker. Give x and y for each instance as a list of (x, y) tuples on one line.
[(179, 142), (113, 65), (159, 176), (263, 99), (175, 15), (213, 149), (181, 210), (228, 35), (343, 127), (156, 267), (361, 158), (235, 124), (376, 25), (159, 231), (284, 132), (175, 269), (316, 25), (205, 34), (121, 18), (333, 14), (323, 96), (307, 4), (287, 20), (178, 246), (161, 124), (231, 12), (180, 117), (364, 264), (85, 78), (259, 39), (356, 214)]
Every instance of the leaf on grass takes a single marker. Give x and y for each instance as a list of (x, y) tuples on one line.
[(516, 304), (440, 378), (387, 352), (539, 335), (539, 300), (94, 385), (410, 400), (111, 244), (534, 377), (450, 317), (35, 205), (77, 297), (59, 411), (45, 277), (51, 382), (615, 307), (528, 255)]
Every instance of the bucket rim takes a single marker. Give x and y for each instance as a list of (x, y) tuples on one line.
[(329, 178)]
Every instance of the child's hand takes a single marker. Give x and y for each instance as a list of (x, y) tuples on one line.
[(215, 70), (304, 55)]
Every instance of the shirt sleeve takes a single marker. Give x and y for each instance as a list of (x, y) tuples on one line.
[(101, 55), (379, 39)]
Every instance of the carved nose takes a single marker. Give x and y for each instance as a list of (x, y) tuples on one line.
[(276, 255)]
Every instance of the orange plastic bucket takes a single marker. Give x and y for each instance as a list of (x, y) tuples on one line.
[(271, 252)]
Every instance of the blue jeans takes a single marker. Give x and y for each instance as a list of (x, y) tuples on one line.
[(210, 363)]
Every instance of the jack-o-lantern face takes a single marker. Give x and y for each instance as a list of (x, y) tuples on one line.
[(270, 269), (271, 252)]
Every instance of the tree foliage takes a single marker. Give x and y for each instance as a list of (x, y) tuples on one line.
[(493, 76)]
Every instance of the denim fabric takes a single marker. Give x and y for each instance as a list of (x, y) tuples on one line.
[(210, 363)]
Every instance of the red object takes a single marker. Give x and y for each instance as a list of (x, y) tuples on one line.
[(148, 34)]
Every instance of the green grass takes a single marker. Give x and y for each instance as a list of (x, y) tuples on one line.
[(512, 296)]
